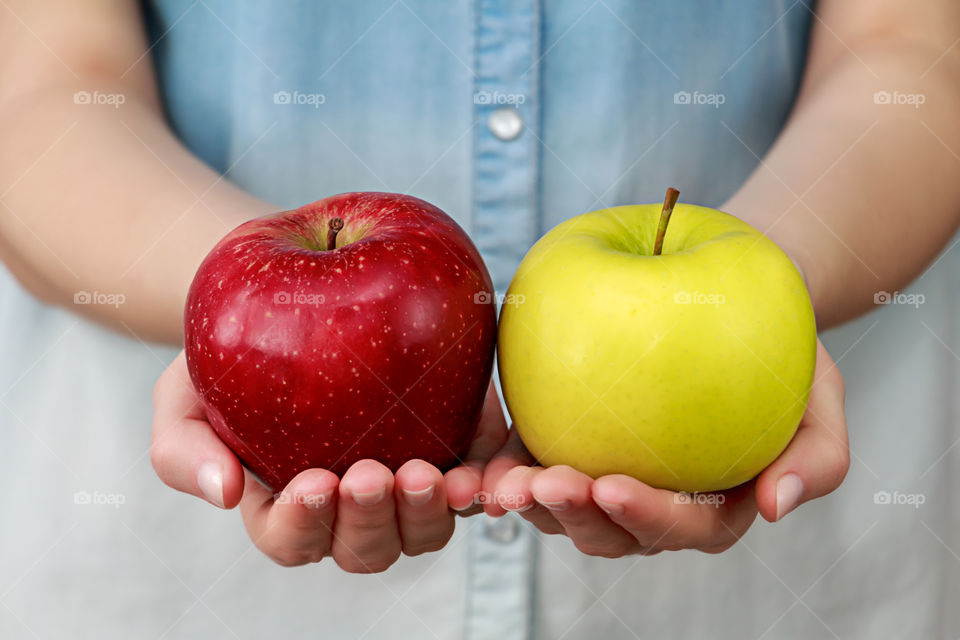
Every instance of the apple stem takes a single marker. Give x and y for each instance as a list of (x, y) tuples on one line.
[(669, 201), (332, 230)]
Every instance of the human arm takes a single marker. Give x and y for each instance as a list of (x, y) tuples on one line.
[(97, 197), (862, 196)]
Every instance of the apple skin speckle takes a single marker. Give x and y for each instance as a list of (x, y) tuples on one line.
[(381, 348)]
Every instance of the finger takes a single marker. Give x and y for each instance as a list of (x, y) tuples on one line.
[(513, 493), (296, 527), (425, 522), (565, 492), (185, 451), (464, 482), (663, 519), (818, 458), (366, 537), (512, 454)]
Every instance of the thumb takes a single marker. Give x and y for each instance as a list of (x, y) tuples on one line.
[(185, 451), (817, 459)]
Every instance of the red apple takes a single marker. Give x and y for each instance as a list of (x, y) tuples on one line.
[(311, 353)]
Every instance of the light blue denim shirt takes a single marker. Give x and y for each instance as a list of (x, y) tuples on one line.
[(512, 116), (297, 100)]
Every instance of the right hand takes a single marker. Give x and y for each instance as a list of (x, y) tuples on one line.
[(364, 520)]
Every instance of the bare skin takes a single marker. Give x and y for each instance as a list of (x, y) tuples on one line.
[(363, 521), (844, 188), (833, 192)]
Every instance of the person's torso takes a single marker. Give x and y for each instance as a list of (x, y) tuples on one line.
[(600, 104), (615, 100)]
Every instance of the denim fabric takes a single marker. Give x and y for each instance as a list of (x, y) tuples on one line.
[(395, 95), (614, 101)]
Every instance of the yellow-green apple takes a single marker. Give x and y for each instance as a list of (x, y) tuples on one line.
[(687, 369), (359, 326)]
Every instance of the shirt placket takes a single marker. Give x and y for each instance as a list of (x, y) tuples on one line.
[(502, 552), (506, 143)]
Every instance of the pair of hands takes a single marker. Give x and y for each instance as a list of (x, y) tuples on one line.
[(366, 519)]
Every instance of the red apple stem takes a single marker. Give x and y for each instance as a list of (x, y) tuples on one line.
[(669, 201), (332, 230)]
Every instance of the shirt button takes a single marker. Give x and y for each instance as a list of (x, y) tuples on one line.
[(506, 124), (503, 530)]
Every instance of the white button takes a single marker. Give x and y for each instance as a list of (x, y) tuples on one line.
[(503, 530), (505, 123)]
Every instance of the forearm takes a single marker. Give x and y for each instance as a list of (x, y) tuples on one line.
[(863, 195), (97, 198)]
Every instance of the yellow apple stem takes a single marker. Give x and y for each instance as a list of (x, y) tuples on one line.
[(333, 229), (669, 201)]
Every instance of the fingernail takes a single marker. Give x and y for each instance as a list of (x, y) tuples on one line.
[(513, 503), (370, 498), (418, 498), (611, 508), (559, 505), (210, 481), (789, 490)]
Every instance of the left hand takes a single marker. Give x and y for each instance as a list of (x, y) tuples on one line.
[(616, 515), (318, 514)]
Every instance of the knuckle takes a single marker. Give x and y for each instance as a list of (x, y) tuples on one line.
[(288, 558), (284, 554), (427, 542), (159, 457), (719, 548), (367, 528), (841, 384), (368, 558), (840, 464), (601, 550), (419, 548), (354, 564), (549, 528), (159, 389)]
